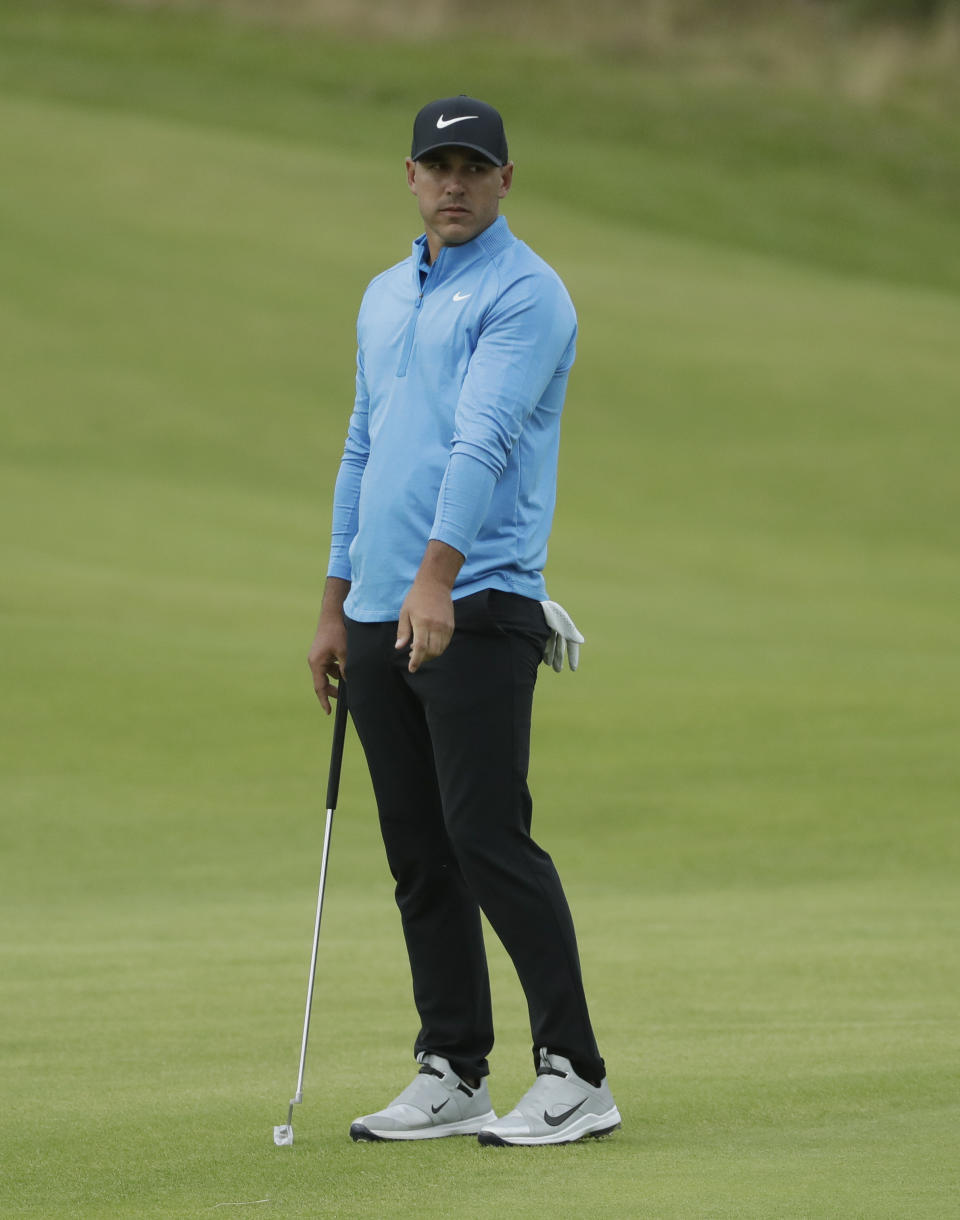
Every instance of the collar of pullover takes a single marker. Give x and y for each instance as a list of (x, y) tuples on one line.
[(452, 259)]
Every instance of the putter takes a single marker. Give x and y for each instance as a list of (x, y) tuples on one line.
[(283, 1134)]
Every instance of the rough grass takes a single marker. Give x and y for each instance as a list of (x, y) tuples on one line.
[(868, 50)]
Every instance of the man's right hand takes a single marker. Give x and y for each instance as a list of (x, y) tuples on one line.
[(328, 652)]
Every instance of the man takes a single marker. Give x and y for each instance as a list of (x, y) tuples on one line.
[(434, 609)]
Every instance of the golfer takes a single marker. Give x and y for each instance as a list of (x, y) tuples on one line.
[(436, 612)]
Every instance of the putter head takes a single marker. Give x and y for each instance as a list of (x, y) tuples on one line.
[(283, 1135)]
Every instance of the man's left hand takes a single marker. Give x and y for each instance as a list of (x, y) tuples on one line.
[(426, 622), (426, 616)]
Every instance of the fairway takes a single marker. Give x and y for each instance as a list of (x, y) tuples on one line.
[(749, 787)]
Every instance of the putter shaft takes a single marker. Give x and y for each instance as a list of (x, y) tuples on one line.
[(333, 787), (311, 979)]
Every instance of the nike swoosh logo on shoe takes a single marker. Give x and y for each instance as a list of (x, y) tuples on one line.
[(437, 1109), (560, 1119)]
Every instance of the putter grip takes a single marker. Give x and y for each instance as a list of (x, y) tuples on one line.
[(336, 748)]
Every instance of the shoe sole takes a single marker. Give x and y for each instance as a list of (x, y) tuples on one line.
[(360, 1132), (490, 1139)]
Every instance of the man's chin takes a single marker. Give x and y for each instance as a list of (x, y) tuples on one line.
[(456, 232)]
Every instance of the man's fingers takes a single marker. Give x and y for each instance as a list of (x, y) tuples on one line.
[(325, 692), (417, 652), (403, 630), (327, 657), (424, 640), (323, 687), (428, 643)]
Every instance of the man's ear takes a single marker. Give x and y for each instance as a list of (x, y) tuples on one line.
[(506, 179), (411, 174)]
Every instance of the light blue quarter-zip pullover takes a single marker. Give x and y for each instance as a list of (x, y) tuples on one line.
[(462, 368)]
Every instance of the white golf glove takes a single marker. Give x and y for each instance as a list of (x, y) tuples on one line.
[(564, 637)]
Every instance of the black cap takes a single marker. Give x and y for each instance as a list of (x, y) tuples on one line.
[(462, 121)]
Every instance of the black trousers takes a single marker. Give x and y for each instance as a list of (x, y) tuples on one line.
[(448, 750)]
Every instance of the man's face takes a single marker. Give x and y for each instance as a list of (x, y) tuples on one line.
[(459, 193)]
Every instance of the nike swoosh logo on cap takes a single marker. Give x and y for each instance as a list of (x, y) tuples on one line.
[(557, 1121), (442, 122)]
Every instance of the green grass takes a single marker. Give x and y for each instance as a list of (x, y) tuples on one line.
[(749, 787)]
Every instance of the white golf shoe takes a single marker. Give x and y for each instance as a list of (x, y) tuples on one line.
[(559, 1108), (435, 1104)]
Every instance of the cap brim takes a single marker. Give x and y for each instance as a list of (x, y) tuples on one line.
[(459, 144)]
